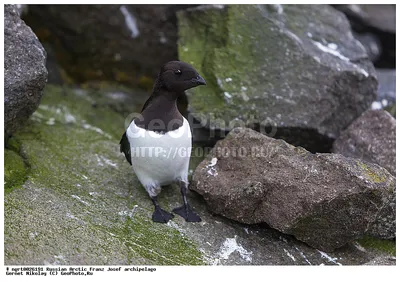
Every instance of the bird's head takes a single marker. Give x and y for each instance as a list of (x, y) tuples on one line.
[(179, 76)]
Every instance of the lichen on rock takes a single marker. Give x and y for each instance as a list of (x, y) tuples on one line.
[(325, 200)]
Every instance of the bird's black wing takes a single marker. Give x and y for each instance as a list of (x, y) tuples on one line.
[(125, 147)]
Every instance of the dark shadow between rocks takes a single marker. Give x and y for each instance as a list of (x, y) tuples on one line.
[(309, 139)]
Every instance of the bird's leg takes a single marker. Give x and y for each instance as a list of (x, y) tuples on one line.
[(186, 211), (159, 214)]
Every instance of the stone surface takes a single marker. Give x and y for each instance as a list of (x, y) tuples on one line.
[(375, 26), (386, 91), (382, 17), (295, 69), (371, 43), (123, 43), (325, 200), (372, 138), (14, 170), (387, 84), (25, 74), (82, 205), (384, 260)]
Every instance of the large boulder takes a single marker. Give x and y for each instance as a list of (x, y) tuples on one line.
[(375, 27), (382, 17), (371, 137), (25, 74), (119, 43), (296, 70), (325, 200)]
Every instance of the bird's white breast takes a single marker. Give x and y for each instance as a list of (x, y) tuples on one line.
[(160, 159)]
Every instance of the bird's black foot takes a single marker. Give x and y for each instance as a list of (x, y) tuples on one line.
[(161, 215), (187, 213)]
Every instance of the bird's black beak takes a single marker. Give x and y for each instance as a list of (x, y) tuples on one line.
[(199, 80)]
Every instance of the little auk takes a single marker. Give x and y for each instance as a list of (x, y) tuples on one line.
[(158, 142)]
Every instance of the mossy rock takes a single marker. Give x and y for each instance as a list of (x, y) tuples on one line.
[(81, 203), (387, 246), (15, 171), (294, 68)]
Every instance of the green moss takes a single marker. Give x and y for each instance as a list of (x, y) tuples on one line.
[(79, 178), (253, 59), (199, 50), (160, 244), (388, 246), (13, 144), (236, 35), (15, 172)]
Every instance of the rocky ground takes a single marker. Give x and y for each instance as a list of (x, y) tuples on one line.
[(65, 167)]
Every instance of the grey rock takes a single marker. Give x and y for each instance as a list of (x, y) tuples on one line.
[(22, 8), (382, 17), (387, 84), (382, 260), (54, 69), (119, 43), (386, 91), (371, 43), (372, 138), (292, 71), (25, 74), (82, 205), (324, 200)]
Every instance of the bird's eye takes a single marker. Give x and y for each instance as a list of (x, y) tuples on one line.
[(178, 72)]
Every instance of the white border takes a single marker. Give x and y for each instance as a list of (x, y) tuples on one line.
[(227, 273)]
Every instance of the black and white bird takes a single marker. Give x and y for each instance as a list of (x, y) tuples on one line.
[(158, 142)]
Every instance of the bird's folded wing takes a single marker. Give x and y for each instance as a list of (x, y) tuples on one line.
[(125, 147)]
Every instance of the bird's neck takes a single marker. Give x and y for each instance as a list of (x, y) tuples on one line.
[(161, 106)]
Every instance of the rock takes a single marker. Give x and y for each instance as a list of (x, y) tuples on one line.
[(77, 176), (371, 43), (372, 138), (14, 170), (375, 26), (324, 200), (294, 72), (382, 260), (377, 245), (25, 74), (382, 17), (386, 91), (56, 73), (387, 83), (22, 9), (119, 43)]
